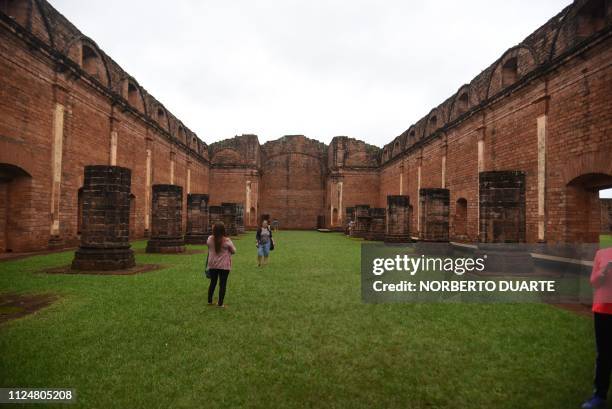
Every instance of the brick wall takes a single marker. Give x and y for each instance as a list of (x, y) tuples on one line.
[(542, 109)]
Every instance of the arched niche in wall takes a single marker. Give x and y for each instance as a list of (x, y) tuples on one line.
[(461, 102), (29, 15), (227, 156), (93, 63), (161, 117), (133, 94), (581, 21), (514, 64), (433, 122)]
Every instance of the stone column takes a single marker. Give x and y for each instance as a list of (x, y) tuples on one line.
[(105, 220), (398, 219), (215, 214), (239, 218), (197, 219), (229, 218), (502, 220), (167, 223), (434, 205), (350, 217), (502, 206), (362, 221), (377, 227)]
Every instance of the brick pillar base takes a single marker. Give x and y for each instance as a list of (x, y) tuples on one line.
[(167, 226), (106, 213)]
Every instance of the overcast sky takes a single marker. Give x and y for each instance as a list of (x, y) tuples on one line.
[(366, 69)]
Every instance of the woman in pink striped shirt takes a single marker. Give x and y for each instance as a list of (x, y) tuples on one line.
[(220, 250)]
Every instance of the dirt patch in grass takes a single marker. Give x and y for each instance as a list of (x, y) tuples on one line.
[(14, 306), (137, 269)]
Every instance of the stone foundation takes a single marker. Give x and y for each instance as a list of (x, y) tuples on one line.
[(398, 219), (434, 204), (166, 221), (105, 220), (197, 219)]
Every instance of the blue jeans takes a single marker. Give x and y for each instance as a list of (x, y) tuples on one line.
[(263, 250)]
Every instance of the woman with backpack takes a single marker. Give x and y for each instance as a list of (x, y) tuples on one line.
[(220, 250), (264, 243)]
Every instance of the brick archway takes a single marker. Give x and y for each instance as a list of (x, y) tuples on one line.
[(15, 197), (582, 207)]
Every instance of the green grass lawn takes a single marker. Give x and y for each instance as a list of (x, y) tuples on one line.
[(295, 334)]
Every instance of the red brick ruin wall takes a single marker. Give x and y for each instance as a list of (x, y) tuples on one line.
[(541, 108)]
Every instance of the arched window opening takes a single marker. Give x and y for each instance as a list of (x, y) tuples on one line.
[(462, 103), (91, 62), (133, 95), (509, 72), (181, 134), (161, 117), (591, 18)]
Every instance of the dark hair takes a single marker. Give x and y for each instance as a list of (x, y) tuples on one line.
[(219, 234)]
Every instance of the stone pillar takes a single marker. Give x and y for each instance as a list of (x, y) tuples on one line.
[(105, 220), (378, 223), (167, 223), (197, 219), (229, 218), (239, 218), (502, 220), (350, 217), (362, 221), (434, 205), (215, 214), (502, 206), (398, 219)]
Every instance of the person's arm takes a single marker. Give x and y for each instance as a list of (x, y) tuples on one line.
[(258, 235), (230, 245)]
